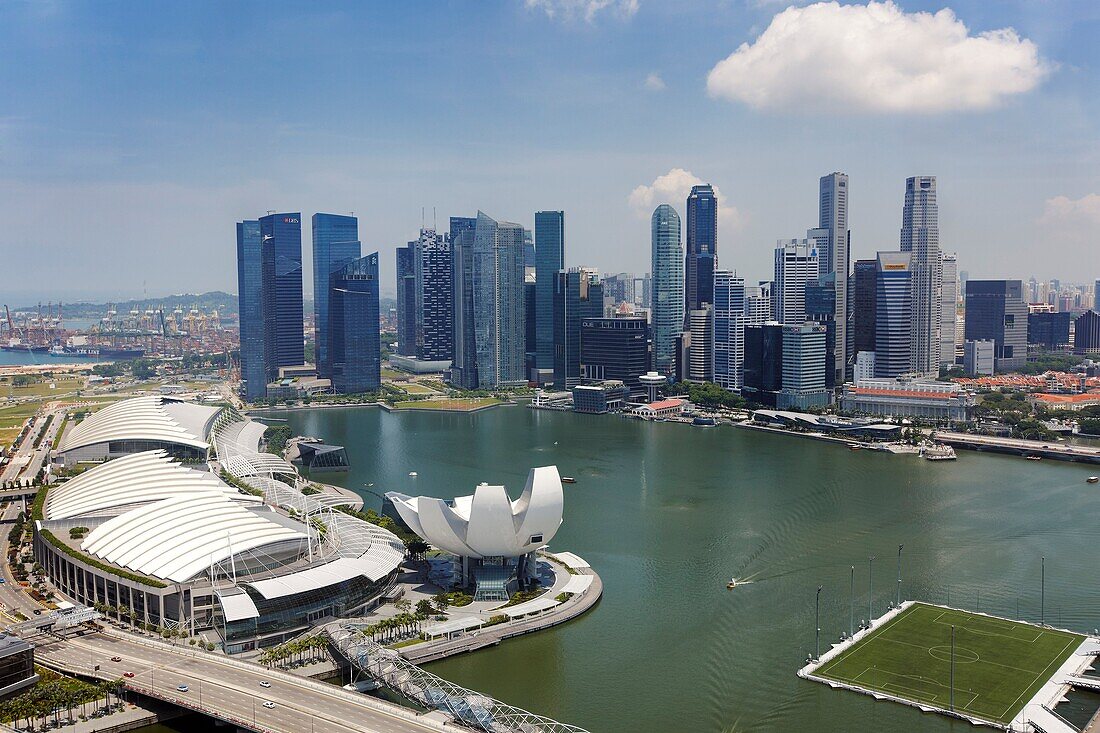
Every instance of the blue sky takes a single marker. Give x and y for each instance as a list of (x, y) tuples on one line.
[(134, 135)]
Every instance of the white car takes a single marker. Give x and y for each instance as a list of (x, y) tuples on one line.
[(268, 704), (183, 688), (265, 683)]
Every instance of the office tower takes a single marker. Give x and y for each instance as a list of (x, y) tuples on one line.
[(978, 358), (834, 260), (702, 246), (1096, 294), (643, 291), (1049, 330), (821, 308), (1032, 290), (620, 288), (1086, 333), (763, 363), (335, 243), (796, 264), (434, 297), (463, 371), (700, 353), (996, 311), (353, 327), (667, 301), (949, 298), (803, 368), (406, 300), (284, 334), (578, 294), (549, 261), (528, 249), (250, 305), (758, 304), (530, 332), (499, 306), (863, 305), (729, 329), (893, 313), (615, 349), (920, 235)]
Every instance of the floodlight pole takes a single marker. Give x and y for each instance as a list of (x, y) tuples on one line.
[(817, 625), (952, 668), (870, 595), (899, 575), (852, 604), (1043, 593)]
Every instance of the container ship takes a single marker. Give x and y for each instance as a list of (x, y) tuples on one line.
[(99, 352)]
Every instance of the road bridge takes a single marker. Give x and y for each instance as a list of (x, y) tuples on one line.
[(1018, 446)]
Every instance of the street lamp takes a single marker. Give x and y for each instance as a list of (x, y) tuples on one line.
[(817, 625), (870, 595), (1043, 593), (852, 604), (899, 575)]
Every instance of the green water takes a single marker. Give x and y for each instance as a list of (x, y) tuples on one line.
[(666, 513)]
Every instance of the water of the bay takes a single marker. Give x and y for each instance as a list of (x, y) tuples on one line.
[(667, 513)]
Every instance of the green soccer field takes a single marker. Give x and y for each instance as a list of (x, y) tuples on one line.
[(999, 664)]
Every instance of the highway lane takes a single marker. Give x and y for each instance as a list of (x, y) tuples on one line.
[(234, 690)]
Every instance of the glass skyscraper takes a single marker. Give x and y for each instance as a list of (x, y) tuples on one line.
[(464, 365), (667, 302), (549, 261), (284, 333), (893, 313), (250, 298), (406, 300), (578, 294), (434, 297), (702, 246), (499, 305), (729, 330), (335, 243), (920, 235), (354, 327), (834, 260)]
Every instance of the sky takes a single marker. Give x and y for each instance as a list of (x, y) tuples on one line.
[(133, 135)]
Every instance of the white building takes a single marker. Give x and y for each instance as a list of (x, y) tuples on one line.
[(920, 235), (700, 365), (796, 263), (949, 302), (905, 397), (865, 366), (729, 329), (978, 357)]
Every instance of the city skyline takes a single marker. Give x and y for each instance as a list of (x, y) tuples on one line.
[(115, 159)]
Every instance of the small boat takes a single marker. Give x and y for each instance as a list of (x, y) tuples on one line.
[(568, 480), (413, 474), (732, 584), (1093, 479), (855, 447), (1034, 458)]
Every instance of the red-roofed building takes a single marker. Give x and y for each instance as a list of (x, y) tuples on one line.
[(908, 398), (660, 409), (1072, 402)]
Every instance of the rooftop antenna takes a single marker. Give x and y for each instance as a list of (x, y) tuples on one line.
[(421, 217), (434, 223)]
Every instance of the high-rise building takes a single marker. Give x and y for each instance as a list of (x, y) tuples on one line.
[(250, 304), (284, 332), (821, 308), (949, 297), (464, 366), (996, 311), (406, 300), (530, 333), (354, 327), (796, 264), (729, 329), (893, 314), (702, 246), (833, 259), (434, 297), (920, 235), (803, 368), (335, 243), (863, 305), (667, 301), (763, 363), (578, 294), (758, 304), (499, 305), (1049, 330), (615, 349), (700, 364), (1086, 333), (978, 357), (549, 261)]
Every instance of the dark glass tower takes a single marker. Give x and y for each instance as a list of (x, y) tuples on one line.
[(284, 334), (434, 297), (407, 325), (250, 297), (821, 308), (615, 348), (464, 365), (702, 247), (549, 261), (996, 310), (578, 294), (353, 327), (335, 243), (864, 275)]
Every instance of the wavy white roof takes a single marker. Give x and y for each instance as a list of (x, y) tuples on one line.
[(125, 483), (176, 539), (488, 524), (145, 418)]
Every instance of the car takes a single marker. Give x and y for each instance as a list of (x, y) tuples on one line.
[(116, 659), (183, 688), (3, 580), (268, 704), (128, 674), (38, 612), (265, 683)]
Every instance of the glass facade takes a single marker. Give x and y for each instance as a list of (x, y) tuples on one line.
[(499, 305), (615, 349), (549, 261), (284, 333), (893, 314), (406, 300), (863, 305), (702, 246), (668, 286), (356, 342), (250, 294), (464, 365), (996, 310), (433, 296), (335, 243), (729, 330), (578, 294)]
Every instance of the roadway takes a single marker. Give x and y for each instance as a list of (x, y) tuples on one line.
[(12, 596), (28, 460), (228, 689), (1042, 448)]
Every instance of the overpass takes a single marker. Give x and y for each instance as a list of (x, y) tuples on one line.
[(1018, 446)]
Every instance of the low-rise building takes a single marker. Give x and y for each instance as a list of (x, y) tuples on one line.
[(905, 397), (16, 665), (609, 396), (978, 357), (1071, 402), (659, 410)]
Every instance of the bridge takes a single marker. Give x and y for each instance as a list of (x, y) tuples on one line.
[(1018, 446)]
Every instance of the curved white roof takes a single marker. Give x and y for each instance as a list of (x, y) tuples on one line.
[(176, 539), (122, 484), (145, 418), (488, 524)]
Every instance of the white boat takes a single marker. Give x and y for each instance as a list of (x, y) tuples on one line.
[(939, 453), (1093, 479), (413, 474)]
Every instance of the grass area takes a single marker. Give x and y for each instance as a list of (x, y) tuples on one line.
[(999, 664), (414, 388), (394, 374), (61, 385), (407, 642), (459, 404)]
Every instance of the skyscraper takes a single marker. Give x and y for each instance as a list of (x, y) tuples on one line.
[(763, 363), (796, 264), (821, 308), (920, 235), (335, 243), (702, 246), (353, 326), (996, 311), (949, 298), (615, 348), (250, 298), (549, 261), (499, 305), (864, 277), (284, 334), (700, 364), (833, 259), (893, 313), (578, 294), (758, 304), (464, 366), (729, 329), (434, 297), (804, 383), (667, 302), (406, 300)]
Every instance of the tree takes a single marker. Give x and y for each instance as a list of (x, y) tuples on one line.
[(423, 608), (441, 602)]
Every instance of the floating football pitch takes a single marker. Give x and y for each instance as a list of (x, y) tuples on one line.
[(999, 664)]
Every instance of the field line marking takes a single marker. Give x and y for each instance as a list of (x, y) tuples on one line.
[(980, 661), (1040, 674)]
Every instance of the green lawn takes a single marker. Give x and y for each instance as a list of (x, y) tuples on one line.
[(457, 403), (999, 664), (415, 389)]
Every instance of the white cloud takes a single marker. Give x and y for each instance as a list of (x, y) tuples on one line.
[(673, 188), (1062, 211), (655, 83), (586, 9), (876, 58)]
